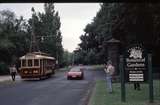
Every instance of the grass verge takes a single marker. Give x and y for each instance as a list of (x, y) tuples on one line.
[(100, 96)]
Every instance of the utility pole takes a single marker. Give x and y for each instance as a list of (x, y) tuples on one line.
[(33, 46)]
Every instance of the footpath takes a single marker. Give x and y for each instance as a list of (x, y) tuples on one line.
[(8, 78)]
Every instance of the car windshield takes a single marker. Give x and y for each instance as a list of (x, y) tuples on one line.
[(75, 70)]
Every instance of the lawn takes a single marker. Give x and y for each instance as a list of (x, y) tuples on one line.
[(100, 96)]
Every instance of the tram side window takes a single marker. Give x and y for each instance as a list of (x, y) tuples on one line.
[(36, 62), (29, 62), (23, 63)]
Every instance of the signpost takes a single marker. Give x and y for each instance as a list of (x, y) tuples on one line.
[(123, 93), (136, 67), (136, 64), (150, 78)]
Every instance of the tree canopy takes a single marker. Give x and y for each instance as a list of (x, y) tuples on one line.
[(127, 22), (47, 30)]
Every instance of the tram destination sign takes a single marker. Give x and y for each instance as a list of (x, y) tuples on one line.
[(136, 64)]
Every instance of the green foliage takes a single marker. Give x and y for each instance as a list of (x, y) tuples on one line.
[(15, 34), (47, 31), (67, 58), (3, 68), (127, 22), (13, 37)]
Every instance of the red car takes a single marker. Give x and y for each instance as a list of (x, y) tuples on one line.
[(75, 72)]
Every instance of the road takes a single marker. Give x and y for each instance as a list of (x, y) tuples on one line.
[(56, 90)]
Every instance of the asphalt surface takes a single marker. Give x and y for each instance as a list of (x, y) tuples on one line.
[(56, 90)]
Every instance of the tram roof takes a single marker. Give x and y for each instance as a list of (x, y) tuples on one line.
[(36, 55)]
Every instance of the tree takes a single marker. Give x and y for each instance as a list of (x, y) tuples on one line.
[(13, 39), (128, 22), (47, 31), (12, 36), (67, 58)]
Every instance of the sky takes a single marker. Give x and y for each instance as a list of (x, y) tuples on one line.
[(73, 16)]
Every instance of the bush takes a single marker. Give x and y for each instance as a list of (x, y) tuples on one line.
[(4, 68)]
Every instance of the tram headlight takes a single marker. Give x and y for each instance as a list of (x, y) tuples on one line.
[(25, 71), (35, 71)]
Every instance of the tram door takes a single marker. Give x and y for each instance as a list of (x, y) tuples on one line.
[(42, 67)]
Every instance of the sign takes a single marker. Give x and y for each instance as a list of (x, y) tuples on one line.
[(135, 64)]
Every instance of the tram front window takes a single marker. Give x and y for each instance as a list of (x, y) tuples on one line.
[(29, 62), (36, 63), (23, 63)]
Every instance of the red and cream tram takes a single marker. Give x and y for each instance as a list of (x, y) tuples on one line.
[(36, 65)]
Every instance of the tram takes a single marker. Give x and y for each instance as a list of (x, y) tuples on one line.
[(36, 65)]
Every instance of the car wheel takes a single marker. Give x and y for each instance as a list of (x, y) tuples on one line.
[(68, 78)]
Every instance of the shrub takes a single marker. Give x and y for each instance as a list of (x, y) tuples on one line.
[(4, 68)]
